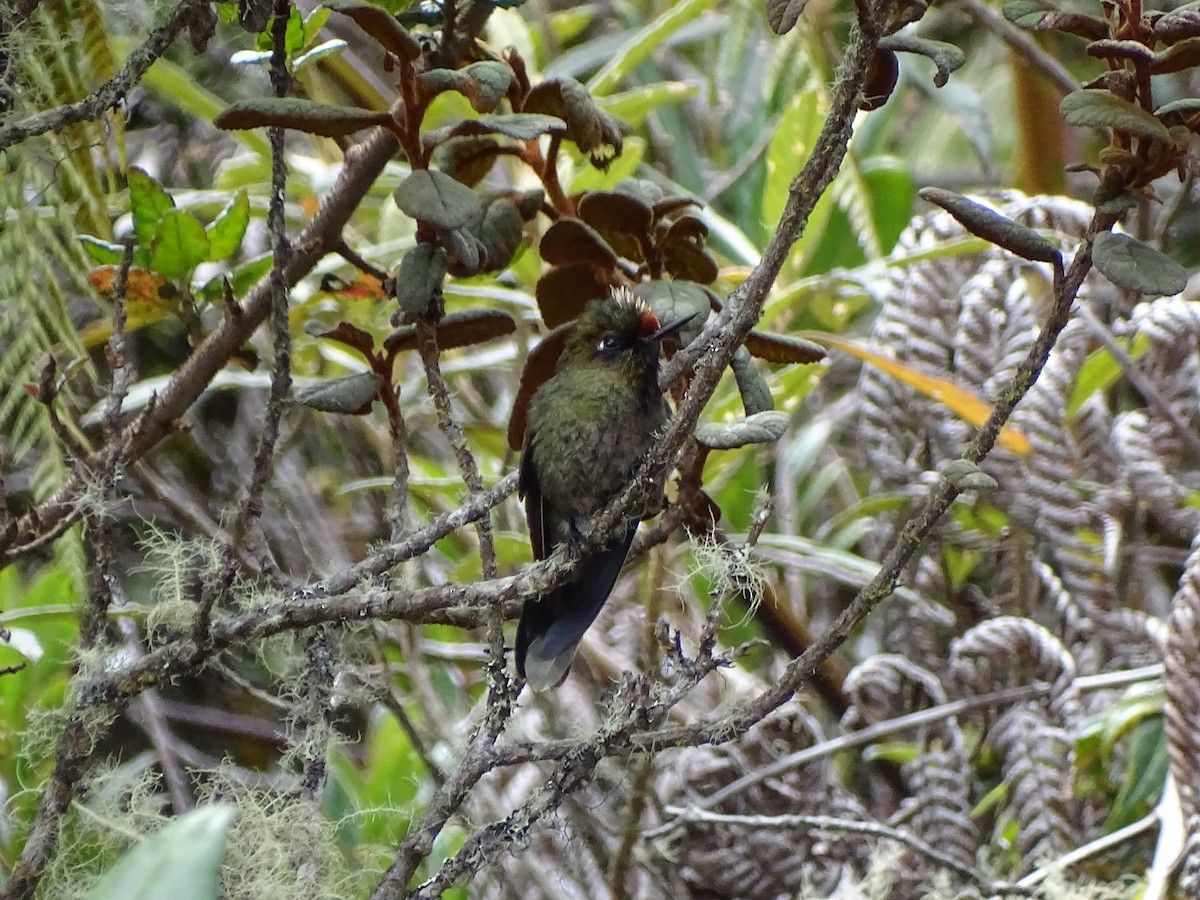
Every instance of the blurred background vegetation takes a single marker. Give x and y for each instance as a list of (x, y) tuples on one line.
[(720, 110)]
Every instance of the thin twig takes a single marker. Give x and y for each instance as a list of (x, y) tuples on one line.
[(789, 822), (281, 371), (1091, 848), (467, 465), (316, 718), (112, 92), (346, 252), (153, 720)]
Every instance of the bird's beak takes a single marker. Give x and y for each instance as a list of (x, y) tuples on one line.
[(670, 328)]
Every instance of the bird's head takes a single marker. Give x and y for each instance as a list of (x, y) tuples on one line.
[(620, 332)]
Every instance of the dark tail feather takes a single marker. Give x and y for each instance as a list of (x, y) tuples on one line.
[(552, 626)]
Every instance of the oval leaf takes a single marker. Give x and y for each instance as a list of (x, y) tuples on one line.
[(181, 860), (520, 126), (675, 300), (570, 241), (379, 24), (419, 279), (761, 428), (179, 244), (756, 394), (563, 291), (1135, 266), (226, 231), (301, 115), (352, 395), (148, 202), (457, 329), (991, 226), (783, 349), (435, 197), (1100, 109)]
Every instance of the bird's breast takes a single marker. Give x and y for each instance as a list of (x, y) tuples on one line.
[(586, 445)]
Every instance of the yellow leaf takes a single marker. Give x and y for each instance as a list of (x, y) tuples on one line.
[(148, 298), (962, 402)]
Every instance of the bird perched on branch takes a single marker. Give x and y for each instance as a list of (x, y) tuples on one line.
[(588, 427)]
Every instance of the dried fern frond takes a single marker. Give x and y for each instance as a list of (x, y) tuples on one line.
[(1008, 652), (1181, 682), (741, 861), (938, 808)]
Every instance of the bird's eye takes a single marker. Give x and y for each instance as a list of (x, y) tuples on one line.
[(609, 343)]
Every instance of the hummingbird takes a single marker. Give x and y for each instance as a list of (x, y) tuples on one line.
[(589, 425)]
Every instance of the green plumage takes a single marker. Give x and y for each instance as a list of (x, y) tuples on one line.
[(589, 425)]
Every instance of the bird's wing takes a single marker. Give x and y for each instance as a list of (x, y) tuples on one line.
[(552, 626), (530, 490)]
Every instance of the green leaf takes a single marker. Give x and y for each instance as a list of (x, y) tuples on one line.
[(181, 860), (433, 196), (294, 39), (946, 57), (645, 41), (1100, 372), (898, 752), (301, 115), (241, 279), (675, 300), (1186, 106), (226, 231), (179, 244), (1135, 266), (521, 126), (990, 225), (487, 84), (1145, 771), (784, 14), (313, 24), (1101, 109), (990, 800), (1177, 58), (484, 84), (966, 476), (419, 279), (591, 129), (379, 24), (790, 147), (319, 52), (634, 105), (1026, 14), (765, 427), (104, 253), (351, 395), (148, 202), (756, 393)]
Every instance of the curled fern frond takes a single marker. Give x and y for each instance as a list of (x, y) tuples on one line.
[(1181, 681), (1009, 652), (740, 861)]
